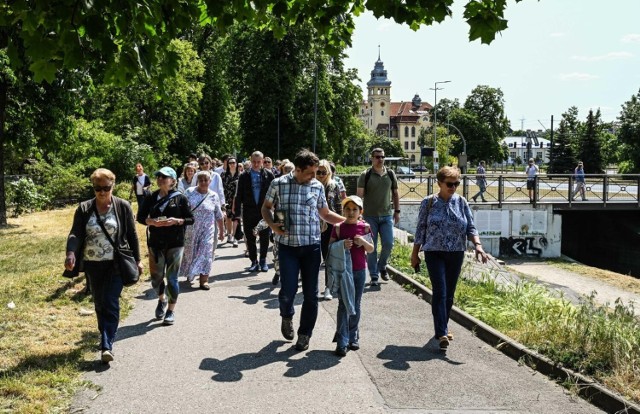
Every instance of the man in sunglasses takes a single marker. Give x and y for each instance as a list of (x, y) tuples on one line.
[(378, 187)]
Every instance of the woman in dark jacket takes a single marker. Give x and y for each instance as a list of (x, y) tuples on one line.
[(165, 212), (89, 250), (140, 184)]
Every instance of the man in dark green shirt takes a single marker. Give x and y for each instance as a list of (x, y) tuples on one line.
[(378, 187)]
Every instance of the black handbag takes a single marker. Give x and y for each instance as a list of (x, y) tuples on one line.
[(126, 264)]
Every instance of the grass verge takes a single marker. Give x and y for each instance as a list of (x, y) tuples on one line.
[(588, 338), (48, 339)]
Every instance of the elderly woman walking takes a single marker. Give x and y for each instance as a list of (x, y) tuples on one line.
[(444, 225), (89, 250), (198, 248), (166, 212)]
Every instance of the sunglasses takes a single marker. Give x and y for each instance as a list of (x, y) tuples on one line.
[(267, 162), (159, 176), (454, 184), (104, 188), (321, 173), (231, 162), (380, 157)]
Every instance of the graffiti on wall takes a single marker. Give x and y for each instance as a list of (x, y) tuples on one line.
[(522, 246)]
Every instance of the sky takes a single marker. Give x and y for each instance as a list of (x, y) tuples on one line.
[(555, 54)]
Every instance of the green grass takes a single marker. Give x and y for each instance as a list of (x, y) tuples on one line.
[(589, 338), (45, 343)]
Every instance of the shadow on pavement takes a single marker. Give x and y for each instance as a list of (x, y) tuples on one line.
[(231, 369), (265, 295), (399, 357), (141, 328)]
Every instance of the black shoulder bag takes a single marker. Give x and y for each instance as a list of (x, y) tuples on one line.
[(125, 262)]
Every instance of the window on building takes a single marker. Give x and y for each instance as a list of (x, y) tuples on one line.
[(406, 131), (512, 154), (413, 132), (406, 145), (381, 113), (413, 145), (413, 157), (539, 155)]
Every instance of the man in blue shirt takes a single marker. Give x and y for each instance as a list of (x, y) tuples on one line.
[(250, 192), (578, 174), (299, 202)]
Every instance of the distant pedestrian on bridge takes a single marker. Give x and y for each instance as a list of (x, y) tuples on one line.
[(444, 225), (578, 175), (532, 172), (481, 181)]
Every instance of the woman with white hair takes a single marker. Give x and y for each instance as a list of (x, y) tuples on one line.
[(199, 239)]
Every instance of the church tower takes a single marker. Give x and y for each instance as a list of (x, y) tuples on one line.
[(379, 97)]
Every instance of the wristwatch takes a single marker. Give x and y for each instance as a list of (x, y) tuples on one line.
[(397, 211)]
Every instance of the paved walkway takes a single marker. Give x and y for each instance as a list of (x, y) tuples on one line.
[(225, 354), (573, 285)]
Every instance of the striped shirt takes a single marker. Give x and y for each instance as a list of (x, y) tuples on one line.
[(301, 203)]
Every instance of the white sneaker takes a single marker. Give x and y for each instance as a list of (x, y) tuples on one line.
[(327, 294)]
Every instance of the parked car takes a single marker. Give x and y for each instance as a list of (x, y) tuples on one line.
[(405, 172), (420, 168)]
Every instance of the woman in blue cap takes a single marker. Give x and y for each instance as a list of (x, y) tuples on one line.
[(165, 212)]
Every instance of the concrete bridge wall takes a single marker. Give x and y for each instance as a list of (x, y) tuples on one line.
[(510, 231)]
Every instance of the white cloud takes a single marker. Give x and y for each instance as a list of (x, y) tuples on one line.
[(608, 56), (631, 38), (557, 34), (577, 76)]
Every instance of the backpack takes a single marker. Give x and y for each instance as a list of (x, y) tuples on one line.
[(392, 176)]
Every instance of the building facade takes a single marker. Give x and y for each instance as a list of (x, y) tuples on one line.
[(395, 120)]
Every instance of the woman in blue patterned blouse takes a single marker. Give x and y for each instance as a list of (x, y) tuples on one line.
[(444, 225)]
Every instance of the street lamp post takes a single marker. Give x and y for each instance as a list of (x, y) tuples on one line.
[(435, 90)]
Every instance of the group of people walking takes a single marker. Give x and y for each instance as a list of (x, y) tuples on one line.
[(303, 205)]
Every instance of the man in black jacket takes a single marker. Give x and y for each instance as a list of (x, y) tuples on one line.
[(252, 187)]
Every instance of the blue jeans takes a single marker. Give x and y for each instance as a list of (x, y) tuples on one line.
[(382, 226), (306, 261), (444, 270), (106, 287), (165, 262), (347, 331)]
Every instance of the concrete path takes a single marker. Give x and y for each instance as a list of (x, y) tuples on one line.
[(573, 285), (225, 354)]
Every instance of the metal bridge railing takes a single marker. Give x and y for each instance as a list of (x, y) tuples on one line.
[(512, 188)]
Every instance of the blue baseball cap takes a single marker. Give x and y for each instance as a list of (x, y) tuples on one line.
[(168, 172)]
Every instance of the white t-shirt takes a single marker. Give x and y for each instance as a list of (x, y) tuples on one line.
[(140, 184), (97, 247)]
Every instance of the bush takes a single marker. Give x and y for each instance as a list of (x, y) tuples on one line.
[(26, 197), (60, 183)]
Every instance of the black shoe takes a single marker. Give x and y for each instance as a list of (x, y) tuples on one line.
[(303, 343), (263, 266), (354, 346), (341, 351), (254, 267), (374, 283), (275, 280), (383, 274), (484, 201), (286, 327), (169, 318), (161, 309), (474, 199)]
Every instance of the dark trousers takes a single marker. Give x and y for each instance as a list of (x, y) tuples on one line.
[(324, 246), (444, 270), (306, 261), (250, 219), (106, 287)]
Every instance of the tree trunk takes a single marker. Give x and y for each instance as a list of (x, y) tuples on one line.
[(4, 90)]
